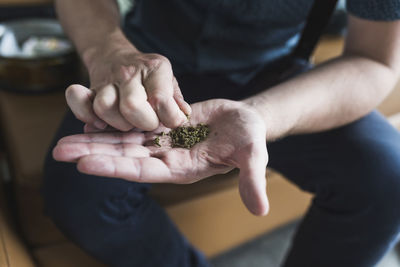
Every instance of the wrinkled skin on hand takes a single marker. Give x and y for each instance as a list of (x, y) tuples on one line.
[(129, 89), (237, 139)]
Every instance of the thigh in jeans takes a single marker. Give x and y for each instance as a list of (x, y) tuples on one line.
[(354, 172)]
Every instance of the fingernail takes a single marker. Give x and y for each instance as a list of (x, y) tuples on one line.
[(188, 109), (185, 117), (100, 124)]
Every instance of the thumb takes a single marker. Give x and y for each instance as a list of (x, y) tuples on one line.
[(252, 183)]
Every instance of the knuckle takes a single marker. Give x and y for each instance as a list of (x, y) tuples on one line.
[(158, 100), (158, 97), (129, 105), (155, 61), (124, 73), (102, 104)]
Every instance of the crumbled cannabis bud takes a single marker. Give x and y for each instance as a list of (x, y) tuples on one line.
[(185, 136), (157, 141), (188, 136)]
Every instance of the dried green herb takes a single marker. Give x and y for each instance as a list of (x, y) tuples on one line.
[(157, 141), (185, 136), (188, 136)]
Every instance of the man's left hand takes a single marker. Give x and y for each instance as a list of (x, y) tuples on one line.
[(237, 139)]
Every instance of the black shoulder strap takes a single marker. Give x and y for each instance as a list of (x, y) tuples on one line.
[(317, 20)]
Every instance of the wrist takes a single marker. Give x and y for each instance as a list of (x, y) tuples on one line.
[(275, 127), (112, 43), (254, 104)]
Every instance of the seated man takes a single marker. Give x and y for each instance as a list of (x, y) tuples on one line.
[(320, 127)]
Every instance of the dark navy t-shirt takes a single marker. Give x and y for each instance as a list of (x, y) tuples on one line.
[(233, 37)]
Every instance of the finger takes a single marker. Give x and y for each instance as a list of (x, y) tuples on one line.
[(71, 152), (168, 111), (91, 129), (252, 183), (106, 138), (134, 105), (87, 128), (79, 99), (160, 90), (106, 106), (143, 169), (183, 105)]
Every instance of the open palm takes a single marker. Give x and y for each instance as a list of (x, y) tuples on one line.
[(236, 140)]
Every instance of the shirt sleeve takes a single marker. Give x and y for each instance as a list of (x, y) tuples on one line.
[(383, 10)]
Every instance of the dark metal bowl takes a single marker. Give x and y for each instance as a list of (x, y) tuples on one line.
[(39, 73)]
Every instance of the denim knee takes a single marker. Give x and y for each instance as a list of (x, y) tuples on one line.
[(381, 194), (367, 192), (77, 202)]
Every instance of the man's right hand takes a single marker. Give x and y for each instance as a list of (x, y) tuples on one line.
[(129, 89)]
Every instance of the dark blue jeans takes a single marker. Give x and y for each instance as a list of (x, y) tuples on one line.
[(354, 172)]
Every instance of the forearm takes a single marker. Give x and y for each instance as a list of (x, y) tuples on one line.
[(326, 97), (91, 23)]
